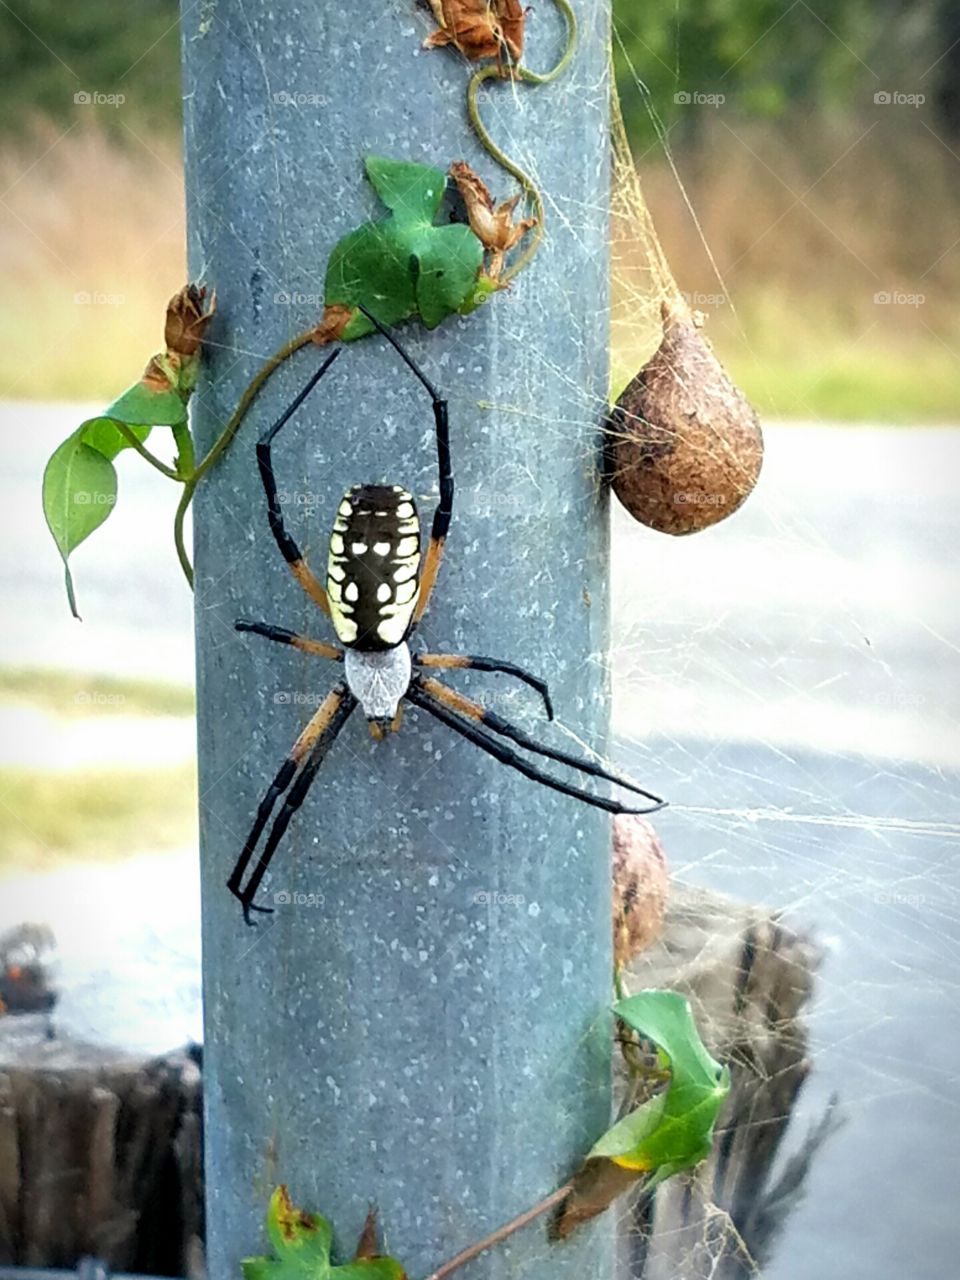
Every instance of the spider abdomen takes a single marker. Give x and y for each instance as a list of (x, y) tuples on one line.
[(373, 570)]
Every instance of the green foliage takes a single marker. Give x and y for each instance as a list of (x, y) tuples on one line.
[(79, 491), (302, 1243), (673, 1130), (80, 481), (86, 693), (761, 55), (404, 265), (55, 58), (48, 817)]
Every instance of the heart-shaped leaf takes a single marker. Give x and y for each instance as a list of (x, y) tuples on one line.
[(670, 1131), (679, 1133), (102, 434), (403, 265), (79, 492), (149, 404)]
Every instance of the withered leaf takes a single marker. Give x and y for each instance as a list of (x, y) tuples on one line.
[(331, 328), (479, 28), (187, 320), (493, 225)]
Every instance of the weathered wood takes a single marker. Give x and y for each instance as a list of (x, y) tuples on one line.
[(99, 1154), (748, 977), (102, 1154)]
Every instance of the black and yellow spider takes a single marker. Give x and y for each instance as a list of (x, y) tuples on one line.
[(376, 593)]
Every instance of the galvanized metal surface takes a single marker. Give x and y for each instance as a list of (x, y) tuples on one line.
[(424, 1025)]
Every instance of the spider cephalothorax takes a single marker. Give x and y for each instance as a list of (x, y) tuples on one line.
[(378, 588)]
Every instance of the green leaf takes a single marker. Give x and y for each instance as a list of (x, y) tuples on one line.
[(302, 1242), (447, 261), (404, 265), (413, 191), (80, 486), (79, 492), (674, 1130), (141, 405), (102, 434)]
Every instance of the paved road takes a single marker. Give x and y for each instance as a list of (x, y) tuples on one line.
[(790, 680)]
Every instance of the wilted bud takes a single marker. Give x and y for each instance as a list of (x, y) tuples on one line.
[(336, 317), (479, 28), (187, 321), (493, 225)]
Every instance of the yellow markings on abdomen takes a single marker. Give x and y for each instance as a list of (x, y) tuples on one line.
[(373, 569)]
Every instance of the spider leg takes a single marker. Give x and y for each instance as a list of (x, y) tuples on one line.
[(471, 662), (282, 636), (312, 746), (471, 730), (288, 546), (473, 710), (444, 510)]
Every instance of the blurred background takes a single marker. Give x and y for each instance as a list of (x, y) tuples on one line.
[(789, 677)]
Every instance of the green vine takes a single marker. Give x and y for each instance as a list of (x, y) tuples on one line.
[(404, 265), (223, 441), (520, 72)]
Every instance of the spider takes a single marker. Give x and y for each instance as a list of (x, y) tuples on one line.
[(375, 595)]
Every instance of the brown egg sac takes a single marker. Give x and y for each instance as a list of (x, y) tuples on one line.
[(640, 887), (686, 446)]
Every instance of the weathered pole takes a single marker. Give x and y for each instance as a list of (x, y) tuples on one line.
[(427, 1031)]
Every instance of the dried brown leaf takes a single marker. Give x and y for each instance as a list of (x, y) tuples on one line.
[(368, 1246), (158, 378), (187, 320), (479, 28), (493, 225), (331, 327)]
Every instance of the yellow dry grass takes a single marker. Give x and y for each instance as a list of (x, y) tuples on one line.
[(91, 247), (805, 236)]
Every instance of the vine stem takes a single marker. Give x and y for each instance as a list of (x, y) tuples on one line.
[(530, 188), (502, 1233), (137, 444), (223, 441)]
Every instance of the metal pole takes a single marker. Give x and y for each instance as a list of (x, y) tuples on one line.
[(430, 1035)]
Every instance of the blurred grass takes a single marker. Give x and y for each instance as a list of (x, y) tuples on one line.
[(797, 229), (52, 816), (47, 818), (91, 247), (71, 693)]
